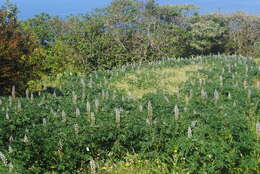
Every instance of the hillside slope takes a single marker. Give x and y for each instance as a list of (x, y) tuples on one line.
[(187, 115)]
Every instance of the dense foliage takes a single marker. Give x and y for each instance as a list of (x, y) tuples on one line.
[(206, 127)]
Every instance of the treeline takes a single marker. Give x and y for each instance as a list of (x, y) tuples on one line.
[(124, 32)]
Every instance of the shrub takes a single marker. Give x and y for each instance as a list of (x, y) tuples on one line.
[(15, 46)]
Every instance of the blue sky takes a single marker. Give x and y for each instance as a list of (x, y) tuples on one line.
[(28, 8)]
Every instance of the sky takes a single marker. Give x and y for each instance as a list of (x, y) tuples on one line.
[(63, 8)]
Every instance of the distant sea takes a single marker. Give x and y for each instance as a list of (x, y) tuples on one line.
[(63, 8)]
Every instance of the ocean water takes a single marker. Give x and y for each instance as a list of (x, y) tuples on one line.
[(29, 8)]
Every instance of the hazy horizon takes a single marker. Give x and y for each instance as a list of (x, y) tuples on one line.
[(64, 8)]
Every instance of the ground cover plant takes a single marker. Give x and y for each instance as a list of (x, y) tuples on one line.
[(208, 122)]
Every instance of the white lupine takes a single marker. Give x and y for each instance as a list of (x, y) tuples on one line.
[(74, 98), (129, 94), (117, 116), (229, 95), (44, 122), (103, 94), (97, 104), (76, 128), (19, 105), (60, 145), (10, 101), (245, 84), (249, 93), (150, 113), (27, 93), (3, 159), (7, 116), (258, 129), (11, 167), (25, 139), (223, 70), (32, 97), (10, 149), (77, 112), (141, 108), (13, 92), (54, 94), (191, 93), (216, 95), (193, 123), (201, 82), (88, 108), (92, 118), (93, 167), (221, 81), (176, 112), (189, 132), (11, 139), (203, 93), (63, 116), (83, 94)]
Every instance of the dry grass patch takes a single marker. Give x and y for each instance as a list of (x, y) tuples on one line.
[(257, 60), (146, 81)]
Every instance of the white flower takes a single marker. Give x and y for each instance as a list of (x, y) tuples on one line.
[(2, 157), (189, 132), (25, 139)]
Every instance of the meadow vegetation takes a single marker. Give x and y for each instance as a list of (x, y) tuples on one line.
[(208, 125)]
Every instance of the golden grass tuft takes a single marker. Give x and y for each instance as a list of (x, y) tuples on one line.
[(144, 81), (257, 60)]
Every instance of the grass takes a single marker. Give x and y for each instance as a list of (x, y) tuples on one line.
[(257, 60), (141, 82), (134, 164)]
